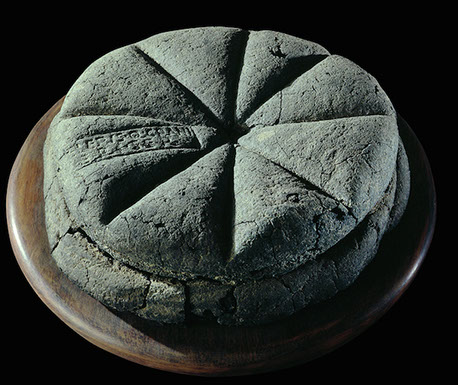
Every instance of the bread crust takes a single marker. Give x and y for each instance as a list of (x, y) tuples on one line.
[(194, 185)]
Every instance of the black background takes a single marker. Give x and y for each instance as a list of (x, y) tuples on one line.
[(409, 52)]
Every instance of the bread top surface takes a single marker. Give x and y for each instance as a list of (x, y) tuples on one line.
[(221, 153)]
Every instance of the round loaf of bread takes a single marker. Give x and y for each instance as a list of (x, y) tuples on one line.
[(223, 174)]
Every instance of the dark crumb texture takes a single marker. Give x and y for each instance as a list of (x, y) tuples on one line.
[(216, 173)]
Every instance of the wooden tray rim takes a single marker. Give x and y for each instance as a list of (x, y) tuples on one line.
[(292, 350)]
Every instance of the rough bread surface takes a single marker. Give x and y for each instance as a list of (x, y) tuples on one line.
[(221, 173)]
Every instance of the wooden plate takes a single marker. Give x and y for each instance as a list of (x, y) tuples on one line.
[(205, 348)]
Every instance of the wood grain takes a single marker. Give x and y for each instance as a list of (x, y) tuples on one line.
[(204, 348)]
